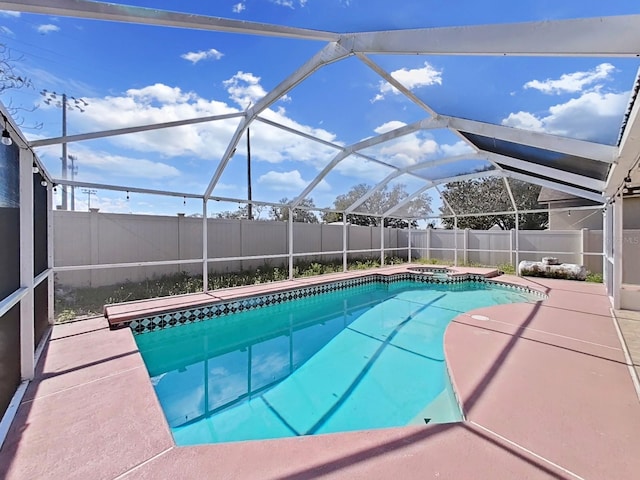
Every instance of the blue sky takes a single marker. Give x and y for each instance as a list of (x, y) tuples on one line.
[(133, 74)]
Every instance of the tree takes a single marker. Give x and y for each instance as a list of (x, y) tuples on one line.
[(380, 202), (490, 195), (10, 79), (299, 215), (241, 213)]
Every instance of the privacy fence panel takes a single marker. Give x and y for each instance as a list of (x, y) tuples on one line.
[(631, 255), (490, 247), (535, 244), (85, 238)]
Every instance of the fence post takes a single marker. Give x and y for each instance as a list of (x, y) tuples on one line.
[(465, 246), (205, 248), (382, 241), (517, 234), (583, 239), (344, 242), (429, 243), (180, 225), (94, 221), (511, 245), (290, 243), (455, 241), (409, 243)]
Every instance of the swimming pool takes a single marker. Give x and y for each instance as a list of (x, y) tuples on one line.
[(362, 357)]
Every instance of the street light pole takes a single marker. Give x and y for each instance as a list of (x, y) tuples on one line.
[(89, 192), (64, 150), (74, 171), (79, 104)]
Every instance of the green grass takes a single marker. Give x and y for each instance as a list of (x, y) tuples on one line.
[(74, 303), (507, 268), (594, 277)]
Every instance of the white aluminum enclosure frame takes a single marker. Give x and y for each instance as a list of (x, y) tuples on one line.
[(607, 36)]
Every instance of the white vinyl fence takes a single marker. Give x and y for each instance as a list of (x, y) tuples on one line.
[(86, 239), (83, 239)]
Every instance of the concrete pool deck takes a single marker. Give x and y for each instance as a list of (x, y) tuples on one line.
[(545, 388)]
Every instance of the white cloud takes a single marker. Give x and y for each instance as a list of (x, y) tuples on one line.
[(572, 82), (387, 127), (48, 28), (524, 121), (8, 13), (238, 7), (290, 3), (244, 88), (195, 57), (127, 166), (594, 116), (411, 79), (93, 163), (207, 141), (161, 93), (408, 150), (458, 148), (288, 182)]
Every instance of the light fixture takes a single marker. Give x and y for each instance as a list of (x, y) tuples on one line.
[(569, 213), (35, 169), (6, 137), (43, 183)]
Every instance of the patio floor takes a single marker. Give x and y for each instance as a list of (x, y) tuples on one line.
[(545, 387)]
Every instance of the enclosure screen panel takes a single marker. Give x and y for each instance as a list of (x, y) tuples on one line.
[(9, 219), (539, 156), (40, 310), (39, 225), (9, 355)]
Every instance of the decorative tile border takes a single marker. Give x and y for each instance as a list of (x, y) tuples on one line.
[(429, 269), (220, 309)]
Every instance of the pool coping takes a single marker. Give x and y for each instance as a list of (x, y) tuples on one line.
[(92, 411), (169, 312)]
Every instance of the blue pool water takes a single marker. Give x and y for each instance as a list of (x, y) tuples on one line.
[(364, 357)]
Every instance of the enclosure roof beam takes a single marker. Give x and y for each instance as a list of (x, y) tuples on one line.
[(323, 173), (578, 192), (330, 53), (409, 169), (408, 199), (545, 141), (510, 192), (425, 124), (553, 173), (299, 133), (395, 83), (151, 16), (615, 36), (446, 202), (363, 144), (430, 184), (628, 153), (120, 188), (126, 130)]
